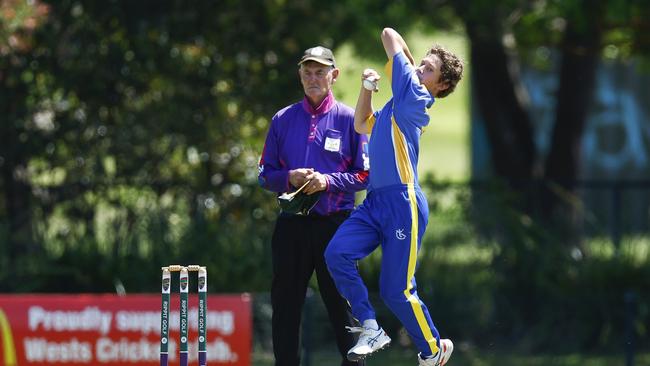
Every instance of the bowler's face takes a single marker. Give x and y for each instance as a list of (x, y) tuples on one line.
[(429, 74), (317, 80)]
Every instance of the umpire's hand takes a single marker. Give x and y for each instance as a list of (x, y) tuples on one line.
[(318, 183), (298, 177)]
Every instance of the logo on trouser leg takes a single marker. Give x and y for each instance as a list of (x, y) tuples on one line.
[(399, 234)]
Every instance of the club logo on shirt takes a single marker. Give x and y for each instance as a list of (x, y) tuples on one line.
[(399, 234)]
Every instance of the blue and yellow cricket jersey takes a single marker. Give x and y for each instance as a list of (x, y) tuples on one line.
[(396, 128)]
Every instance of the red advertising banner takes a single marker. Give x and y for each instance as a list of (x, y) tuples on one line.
[(117, 330)]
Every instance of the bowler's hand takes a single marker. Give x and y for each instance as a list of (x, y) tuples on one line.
[(372, 75), (298, 177), (318, 183)]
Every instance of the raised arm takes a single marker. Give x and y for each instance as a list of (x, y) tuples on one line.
[(394, 43), (363, 111)]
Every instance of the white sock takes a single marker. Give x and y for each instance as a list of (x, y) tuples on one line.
[(371, 323)]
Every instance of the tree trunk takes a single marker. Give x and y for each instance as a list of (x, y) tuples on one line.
[(17, 193), (580, 56), (504, 112)]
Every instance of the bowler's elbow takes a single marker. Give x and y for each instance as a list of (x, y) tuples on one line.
[(361, 126), (387, 33)]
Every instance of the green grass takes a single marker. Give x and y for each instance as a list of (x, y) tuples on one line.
[(444, 149), (402, 357)]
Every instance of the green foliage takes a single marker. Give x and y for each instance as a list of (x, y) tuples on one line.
[(138, 129), (131, 131)]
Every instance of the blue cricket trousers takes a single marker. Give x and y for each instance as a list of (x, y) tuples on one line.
[(395, 217)]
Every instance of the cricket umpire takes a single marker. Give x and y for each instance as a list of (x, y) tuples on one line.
[(311, 144)]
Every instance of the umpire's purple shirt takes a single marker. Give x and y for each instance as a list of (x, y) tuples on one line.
[(323, 139)]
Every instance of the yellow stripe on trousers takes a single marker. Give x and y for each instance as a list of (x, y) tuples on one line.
[(405, 170), (413, 256)]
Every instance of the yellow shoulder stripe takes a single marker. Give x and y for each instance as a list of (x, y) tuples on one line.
[(371, 122)]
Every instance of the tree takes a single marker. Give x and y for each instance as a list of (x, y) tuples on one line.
[(501, 37), (18, 23), (133, 129)]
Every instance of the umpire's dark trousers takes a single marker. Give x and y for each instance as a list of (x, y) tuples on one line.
[(297, 248)]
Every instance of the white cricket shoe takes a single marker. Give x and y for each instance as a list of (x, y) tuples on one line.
[(370, 341), (441, 358)]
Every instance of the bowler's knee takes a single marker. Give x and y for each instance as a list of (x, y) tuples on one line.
[(334, 253), (391, 294)]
